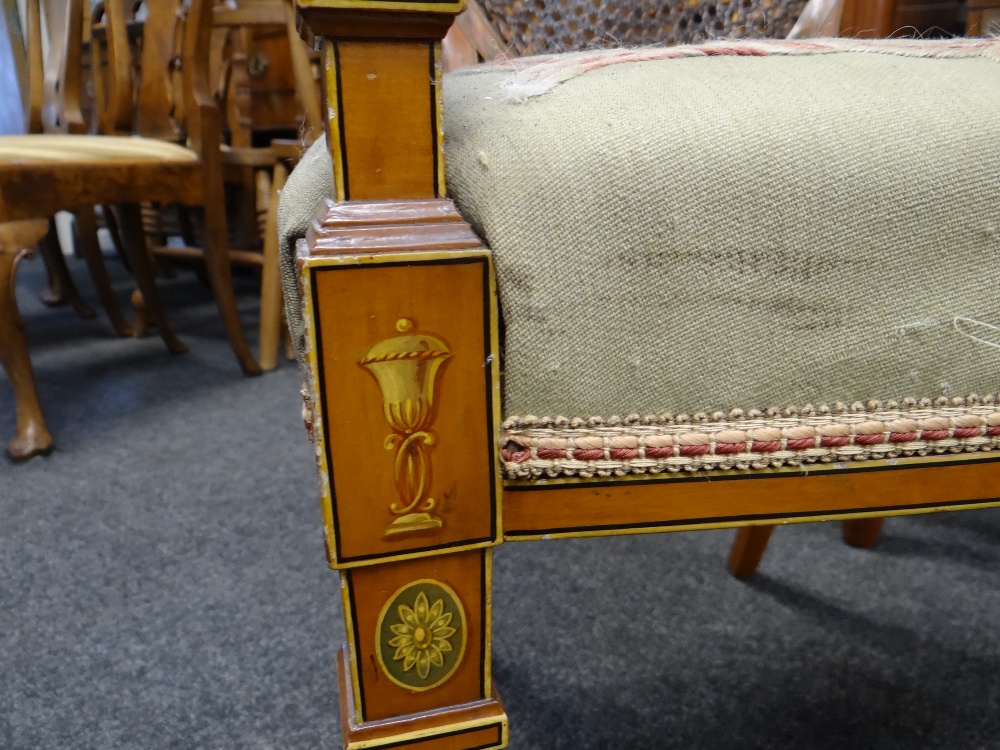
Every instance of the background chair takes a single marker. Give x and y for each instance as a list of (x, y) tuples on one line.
[(42, 174), (263, 91), (55, 107)]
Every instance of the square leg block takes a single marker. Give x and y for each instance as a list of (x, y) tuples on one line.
[(481, 725)]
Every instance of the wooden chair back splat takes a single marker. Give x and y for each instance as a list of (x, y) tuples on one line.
[(163, 110), (42, 174)]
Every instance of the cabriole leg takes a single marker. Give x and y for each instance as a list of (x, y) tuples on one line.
[(32, 437)]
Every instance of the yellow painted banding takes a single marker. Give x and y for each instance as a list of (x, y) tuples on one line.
[(782, 521), (352, 650), (333, 116)]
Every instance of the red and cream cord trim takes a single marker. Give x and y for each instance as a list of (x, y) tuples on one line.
[(533, 447)]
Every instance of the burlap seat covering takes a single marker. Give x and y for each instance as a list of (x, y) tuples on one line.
[(702, 233)]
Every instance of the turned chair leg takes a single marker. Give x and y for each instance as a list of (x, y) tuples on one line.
[(62, 289), (86, 236), (134, 242), (142, 324), (862, 532), (748, 549), (32, 437), (220, 274), (111, 222)]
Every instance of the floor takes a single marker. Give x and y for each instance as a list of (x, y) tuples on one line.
[(162, 585)]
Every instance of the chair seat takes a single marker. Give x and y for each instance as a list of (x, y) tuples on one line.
[(19, 150), (47, 149), (737, 226), (755, 254), (48, 173)]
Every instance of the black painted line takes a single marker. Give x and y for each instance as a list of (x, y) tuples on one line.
[(340, 121)]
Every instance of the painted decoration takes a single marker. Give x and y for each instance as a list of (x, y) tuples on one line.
[(421, 635), (405, 367)]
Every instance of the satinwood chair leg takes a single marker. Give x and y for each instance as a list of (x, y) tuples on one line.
[(62, 289), (86, 236), (220, 274), (862, 532), (32, 437), (134, 242), (270, 279), (748, 549)]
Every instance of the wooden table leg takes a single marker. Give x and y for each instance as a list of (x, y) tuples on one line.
[(32, 437), (748, 548)]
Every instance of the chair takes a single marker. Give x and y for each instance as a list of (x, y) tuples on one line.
[(157, 111), (40, 175), (259, 101), (734, 246), (487, 30), (56, 107)]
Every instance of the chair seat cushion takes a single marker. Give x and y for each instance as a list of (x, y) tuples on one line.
[(19, 150), (755, 254), (737, 225)]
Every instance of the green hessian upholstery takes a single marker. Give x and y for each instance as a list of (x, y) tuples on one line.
[(733, 226)]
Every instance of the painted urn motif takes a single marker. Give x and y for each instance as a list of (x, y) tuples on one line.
[(405, 368)]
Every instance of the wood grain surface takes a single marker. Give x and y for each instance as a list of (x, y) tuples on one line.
[(376, 83), (358, 306), (736, 499), (369, 588)]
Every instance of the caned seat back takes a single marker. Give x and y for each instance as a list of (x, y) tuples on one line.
[(541, 26)]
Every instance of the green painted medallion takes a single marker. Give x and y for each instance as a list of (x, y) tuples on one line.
[(421, 635)]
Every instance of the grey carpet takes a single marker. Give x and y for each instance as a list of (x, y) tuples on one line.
[(162, 585)]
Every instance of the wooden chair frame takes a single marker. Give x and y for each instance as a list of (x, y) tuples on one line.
[(400, 308), (158, 112), (37, 190)]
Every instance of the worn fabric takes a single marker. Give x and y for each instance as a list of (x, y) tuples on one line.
[(726, 230), (718, 231), (309, 183)]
